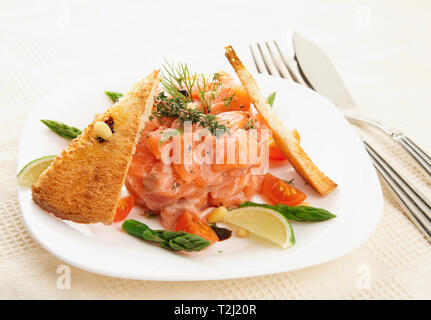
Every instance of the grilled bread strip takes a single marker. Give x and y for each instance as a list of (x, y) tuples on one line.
[(285, 138), (84, 182)]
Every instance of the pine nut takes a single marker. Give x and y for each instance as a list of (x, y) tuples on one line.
[(191, 106), (217, 215), (307, 204), (242, 233), (102, 130)]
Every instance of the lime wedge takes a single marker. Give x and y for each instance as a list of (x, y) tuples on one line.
[(32, 170), (264, 222)]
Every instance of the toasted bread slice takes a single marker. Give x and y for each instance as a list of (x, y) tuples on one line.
[(84, 182), (286, 139)]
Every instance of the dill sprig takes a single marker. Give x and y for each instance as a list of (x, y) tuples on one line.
[(205, 96), (178, 81), (176, 109)]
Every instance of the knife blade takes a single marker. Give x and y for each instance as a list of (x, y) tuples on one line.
[(321, 73)]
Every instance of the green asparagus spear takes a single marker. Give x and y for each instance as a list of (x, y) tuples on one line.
[(296, 213), (62, 129), (114, 95), (271, 98), (167, 239)]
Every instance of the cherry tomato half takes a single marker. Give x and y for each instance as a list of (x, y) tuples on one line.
[(280, 191), (123, 208), (189, 222)]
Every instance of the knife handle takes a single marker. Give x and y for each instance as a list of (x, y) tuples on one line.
[(421, 157)]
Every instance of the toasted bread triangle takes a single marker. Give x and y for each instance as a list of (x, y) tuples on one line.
[(285, 138), (84, 182)]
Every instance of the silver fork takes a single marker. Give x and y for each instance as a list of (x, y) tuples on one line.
[(414, 203)]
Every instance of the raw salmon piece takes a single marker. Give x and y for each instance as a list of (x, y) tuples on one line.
[(187, 172), (156, 141), (229, 97), (224, 77), (162, 180), (234, 119), (230, 187), (230, 202), (221, 92), (142, 161), (253, 186), (152, 125), (208, 177)]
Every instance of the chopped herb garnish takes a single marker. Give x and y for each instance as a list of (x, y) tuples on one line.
[(114, 95), (216, 76), (150, 213), (228, 100), (175, 185), (291, 181), (175, 108), (271, 98), (250, 124)]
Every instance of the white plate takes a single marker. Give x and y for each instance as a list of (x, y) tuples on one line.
[(326, 137)]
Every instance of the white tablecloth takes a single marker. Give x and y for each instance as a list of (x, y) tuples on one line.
[(381, 49)]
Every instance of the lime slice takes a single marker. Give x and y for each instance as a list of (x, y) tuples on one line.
[(32, 170), (264, 222)]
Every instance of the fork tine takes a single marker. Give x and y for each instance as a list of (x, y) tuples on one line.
[(296, 76), (264, 59), (254, 59), (274, 60)]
